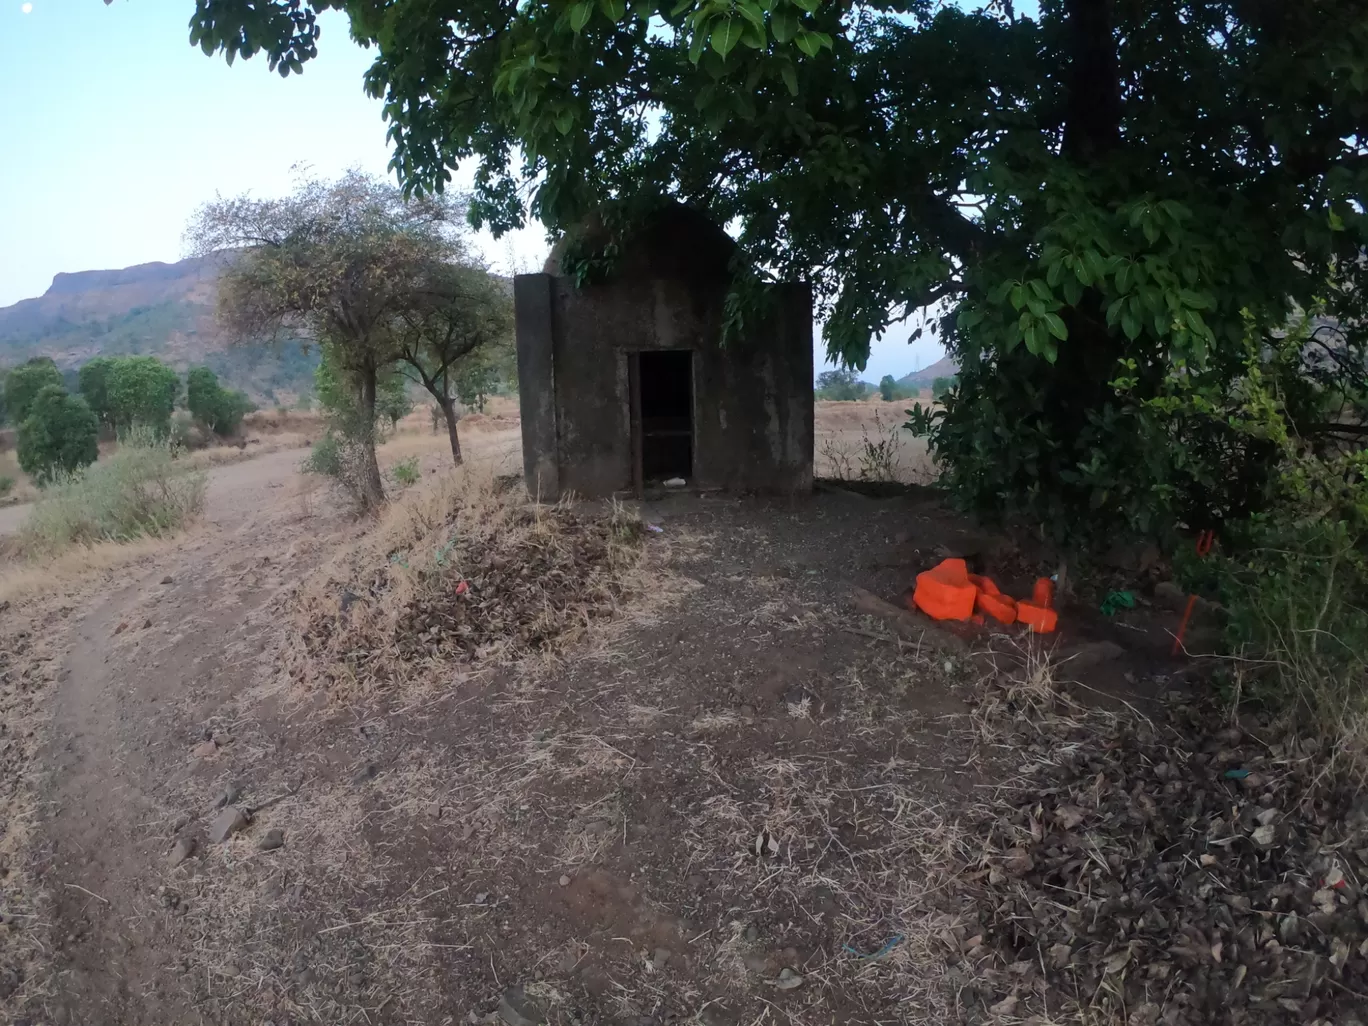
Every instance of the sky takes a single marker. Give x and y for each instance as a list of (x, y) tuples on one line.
[(114, 130)]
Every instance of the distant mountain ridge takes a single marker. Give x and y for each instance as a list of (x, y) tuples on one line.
[(156, 309), (945, 367)]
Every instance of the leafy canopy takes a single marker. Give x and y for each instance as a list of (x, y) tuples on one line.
[(25, 382), (141, 390), (1116, 201), (59, 434)]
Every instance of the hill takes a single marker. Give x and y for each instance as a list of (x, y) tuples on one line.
[(942, 368), (157, 309)]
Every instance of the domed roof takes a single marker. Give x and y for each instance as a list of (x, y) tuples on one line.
[(674, 241)]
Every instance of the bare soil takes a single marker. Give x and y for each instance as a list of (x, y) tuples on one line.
[(744, 803)]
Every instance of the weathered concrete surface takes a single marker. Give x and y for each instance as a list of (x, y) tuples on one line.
[(753, 409)]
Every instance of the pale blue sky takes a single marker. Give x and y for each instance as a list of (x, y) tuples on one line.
[(113, 129)]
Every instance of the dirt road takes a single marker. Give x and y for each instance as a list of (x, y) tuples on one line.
[(585, 832)]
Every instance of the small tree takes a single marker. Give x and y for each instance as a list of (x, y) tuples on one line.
[(93, 381), (60, 433), (333, 262), (841, 385), (141, 390), (23, 384), (888, 388), (941, 387), (219, 409), (458, 319), (202, 394)]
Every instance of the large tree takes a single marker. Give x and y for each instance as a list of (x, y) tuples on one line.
[(1120, 202), (333, 262)]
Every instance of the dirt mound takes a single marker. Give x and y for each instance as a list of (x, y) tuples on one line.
[(1179, 872), (467, 576)]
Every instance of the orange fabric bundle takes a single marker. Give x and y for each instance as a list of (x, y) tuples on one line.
[(945, 592), (1000, 607), (948, 591), (1039, 614)]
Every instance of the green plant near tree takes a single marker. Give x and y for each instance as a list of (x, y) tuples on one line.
[(59, 434), (93, 381), (141, 390), (219, 409), (24, 383)]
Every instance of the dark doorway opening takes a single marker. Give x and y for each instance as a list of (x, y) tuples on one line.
[(664, 387)]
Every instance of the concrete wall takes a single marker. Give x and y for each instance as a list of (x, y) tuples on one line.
[(752, 399)]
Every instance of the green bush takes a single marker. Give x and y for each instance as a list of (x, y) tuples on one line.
[(23, 383), (1293, 583), (59, 434), (142, 390), (6, 485), (841, 385), (93, 382), (139, 491), (217, 408), (406, 472)]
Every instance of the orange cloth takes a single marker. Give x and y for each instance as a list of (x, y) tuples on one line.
[(948, 591), (945, 592)]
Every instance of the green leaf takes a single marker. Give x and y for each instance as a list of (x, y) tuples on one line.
[(580, 14), (1054, 274), (1073, 291), (1097, 267), (1130, 324), (808, 5), (1057, 326), (613, 10), (1041, 289), (784, 24), (753, 37), (565, 121), (696, 44), (751, 11), (1018, 297), (726, 34), (790, 76), (1151, 231), (809, 42)]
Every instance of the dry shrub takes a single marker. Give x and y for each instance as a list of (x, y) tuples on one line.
[(465, 572), (140, 491)]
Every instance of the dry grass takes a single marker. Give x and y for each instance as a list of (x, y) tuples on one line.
[(22, 489), (461, 573), (847, 432)]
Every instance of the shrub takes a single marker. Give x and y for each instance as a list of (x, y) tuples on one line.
[(23, 383), (93, 383), (60, 433), (142, 390), (343, 455), (6, 485), (841, 385), (406, 472), (217, 408), (138, 491), (1293, 581)]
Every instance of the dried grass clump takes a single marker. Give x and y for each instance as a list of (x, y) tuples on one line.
[(471, 574)]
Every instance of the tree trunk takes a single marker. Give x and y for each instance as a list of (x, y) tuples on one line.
[(370, 488), (448, 405)]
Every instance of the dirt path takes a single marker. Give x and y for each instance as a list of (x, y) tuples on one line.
[(745, 789), (155, 657)]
